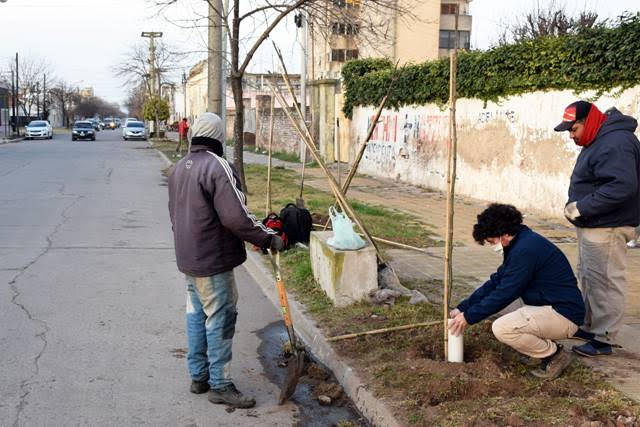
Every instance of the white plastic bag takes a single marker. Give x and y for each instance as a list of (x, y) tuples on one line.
[(344, 238)]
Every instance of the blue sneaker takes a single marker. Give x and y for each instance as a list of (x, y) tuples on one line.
[(593, 348)]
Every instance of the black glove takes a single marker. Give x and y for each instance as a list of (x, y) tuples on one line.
[(277, 244)]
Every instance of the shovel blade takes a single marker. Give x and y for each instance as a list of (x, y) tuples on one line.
[(295, 369)]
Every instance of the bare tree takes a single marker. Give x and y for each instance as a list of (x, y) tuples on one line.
[(31, 78), (92, 105), (135, 100), (66, 96), (249, 24), (550, 20), (136, 68)]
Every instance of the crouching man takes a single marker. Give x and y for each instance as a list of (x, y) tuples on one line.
[(535, 270)]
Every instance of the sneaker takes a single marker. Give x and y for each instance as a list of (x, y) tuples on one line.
[(553, 366), (199, 387), (229, 395), (583, 335), (632, 244), (593, 348)]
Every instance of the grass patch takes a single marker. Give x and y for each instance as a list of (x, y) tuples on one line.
[(380, 221)]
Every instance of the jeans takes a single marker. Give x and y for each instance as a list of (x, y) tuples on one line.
[(211, 324)]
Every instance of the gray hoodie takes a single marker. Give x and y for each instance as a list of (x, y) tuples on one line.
[(209, 215)]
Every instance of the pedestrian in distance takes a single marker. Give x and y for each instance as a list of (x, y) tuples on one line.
[(604, 205), (535, 270), (210, 223), (183, 130)]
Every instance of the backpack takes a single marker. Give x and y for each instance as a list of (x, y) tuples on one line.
[(274, 222), (297, 224)]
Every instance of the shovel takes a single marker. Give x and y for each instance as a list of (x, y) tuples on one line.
[(295, 367)]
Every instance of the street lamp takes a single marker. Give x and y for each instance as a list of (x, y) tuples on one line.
[(184, 92)]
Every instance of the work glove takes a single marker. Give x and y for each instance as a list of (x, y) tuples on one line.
[(571, 211), (277, 244)]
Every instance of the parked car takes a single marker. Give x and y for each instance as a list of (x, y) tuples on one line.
[(134, 130), (38, 129), (118, 122), (83, 130)]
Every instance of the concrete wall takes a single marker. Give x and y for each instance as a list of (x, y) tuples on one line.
[(507, 152), (416, 40), (285, 137)]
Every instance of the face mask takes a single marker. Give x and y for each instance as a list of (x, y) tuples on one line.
[(497, 248)]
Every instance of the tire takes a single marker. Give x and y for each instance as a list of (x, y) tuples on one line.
[(93, 139), (72, 138)]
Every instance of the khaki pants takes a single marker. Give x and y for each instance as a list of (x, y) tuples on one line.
[(602, 261), (531, 330)]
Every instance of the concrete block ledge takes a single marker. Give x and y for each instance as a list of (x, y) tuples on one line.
[(376, 411)]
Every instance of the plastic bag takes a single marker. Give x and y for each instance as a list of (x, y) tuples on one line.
[(344, 238)]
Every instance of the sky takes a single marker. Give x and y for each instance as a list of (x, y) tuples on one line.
[(83, 39)]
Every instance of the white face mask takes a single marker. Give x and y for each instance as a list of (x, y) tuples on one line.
[(498, 248)]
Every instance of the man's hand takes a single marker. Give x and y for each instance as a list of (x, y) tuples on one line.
[(453, 313), (457, 324), (571, 211), (277, 244)]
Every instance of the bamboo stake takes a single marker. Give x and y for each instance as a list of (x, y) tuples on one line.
[(372, 127), (384, 330), (451, 186), (337, 192), (268, 208), (390, 242)]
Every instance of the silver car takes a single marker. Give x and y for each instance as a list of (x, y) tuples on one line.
[(134, 130), (38, 129)]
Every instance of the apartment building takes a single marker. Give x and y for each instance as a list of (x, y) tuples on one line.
[(417, 31)]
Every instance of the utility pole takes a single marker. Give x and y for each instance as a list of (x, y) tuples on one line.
[(38, 99), (45, 114), (214, 68), (17, 97), (223, 80), (151, 35), (13, 101)]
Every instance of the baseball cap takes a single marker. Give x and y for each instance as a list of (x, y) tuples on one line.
[(575, 111)]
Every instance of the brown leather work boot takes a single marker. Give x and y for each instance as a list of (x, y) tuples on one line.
[(229, 395)]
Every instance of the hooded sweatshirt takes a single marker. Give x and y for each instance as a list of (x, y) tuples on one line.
[(605, 178)]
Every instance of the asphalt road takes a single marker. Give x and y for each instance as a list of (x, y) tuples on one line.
[(91, 303)]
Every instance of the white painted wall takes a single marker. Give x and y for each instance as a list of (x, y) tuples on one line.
[(507, 151)]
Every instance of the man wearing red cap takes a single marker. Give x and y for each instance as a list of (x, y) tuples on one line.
[(604, 205)]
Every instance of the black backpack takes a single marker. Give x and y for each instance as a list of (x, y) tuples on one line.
[(296, 224)]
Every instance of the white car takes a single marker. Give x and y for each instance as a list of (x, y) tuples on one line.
[(134, 130), (38, 129), (130, 119)]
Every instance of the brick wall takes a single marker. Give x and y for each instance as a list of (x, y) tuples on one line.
[(285, 137)]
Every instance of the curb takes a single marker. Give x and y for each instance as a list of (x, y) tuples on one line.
[(373, 409), (163, 156), (11, 141)]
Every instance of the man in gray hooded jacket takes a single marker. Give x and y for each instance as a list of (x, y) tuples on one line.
[(604, 205), (210, 223)]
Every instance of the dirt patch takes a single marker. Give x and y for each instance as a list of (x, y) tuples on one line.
[(492, 387)]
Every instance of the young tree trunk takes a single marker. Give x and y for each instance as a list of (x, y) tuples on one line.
[(238, 129)]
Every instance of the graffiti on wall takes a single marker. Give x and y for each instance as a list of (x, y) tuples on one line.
[(508, 116), (404, 136)]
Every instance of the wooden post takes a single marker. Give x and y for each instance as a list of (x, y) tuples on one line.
[(268, 207), (451, 185)]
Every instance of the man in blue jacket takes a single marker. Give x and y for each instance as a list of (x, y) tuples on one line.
[(536, 271), (604, 205)]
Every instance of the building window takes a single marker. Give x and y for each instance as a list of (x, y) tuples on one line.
[(448, 9), (347, 3), (447, 39), (341, 29), (342, 55)]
